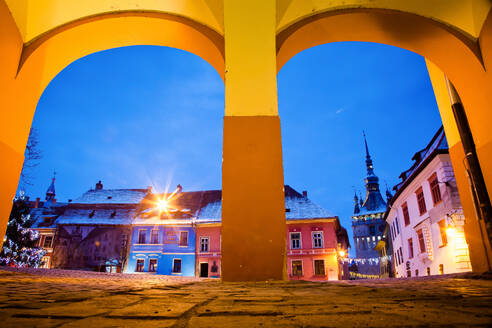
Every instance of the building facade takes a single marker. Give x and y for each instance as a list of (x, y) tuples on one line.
[(314, 251), (367, 224), (179, 234), (425, 217), (44, 215)]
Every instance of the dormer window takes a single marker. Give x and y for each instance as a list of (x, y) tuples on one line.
[(113, 214), (92, 213)]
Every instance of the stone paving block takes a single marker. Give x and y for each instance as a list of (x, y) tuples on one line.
[(154, 308), (29, 322), (231, 308), (102, 322), (242, 321)]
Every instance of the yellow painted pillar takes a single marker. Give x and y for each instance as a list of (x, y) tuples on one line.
[(12, 143), (476, 235), (253, 205)]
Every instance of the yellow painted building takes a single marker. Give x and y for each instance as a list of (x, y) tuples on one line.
[(248, 42)]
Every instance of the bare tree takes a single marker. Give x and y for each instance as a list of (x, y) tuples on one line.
[(32, 157)]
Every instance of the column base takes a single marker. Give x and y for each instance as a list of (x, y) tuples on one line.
[(10, 168), (253, 205)]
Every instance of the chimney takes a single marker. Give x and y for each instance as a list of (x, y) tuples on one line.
[(304, 194), (99, 185), (149, 189), (37, 202), (179, 189)]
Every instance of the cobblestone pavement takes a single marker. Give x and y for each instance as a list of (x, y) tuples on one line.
[(58, 298)]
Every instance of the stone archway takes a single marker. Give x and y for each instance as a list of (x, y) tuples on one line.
[(448, 50), (28, 68), (241, 40)]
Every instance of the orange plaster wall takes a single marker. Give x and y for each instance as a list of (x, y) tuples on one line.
[(253, 204), (12, 157), (481, 120), (476, 244)]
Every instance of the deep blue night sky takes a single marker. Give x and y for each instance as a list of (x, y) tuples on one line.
[(140, 116)]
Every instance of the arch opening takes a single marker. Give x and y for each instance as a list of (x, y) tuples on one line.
[(120, 117), (445, 50)]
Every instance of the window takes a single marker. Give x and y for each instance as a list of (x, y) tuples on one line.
[(154, 236), (176, 265), (398, 225), (295, 240), (317, 239), (183, 238), (297, 268), (319, 267), (391, 232), (401, 254), (204, 244), (48, 241), (153, 265), (396, 259), (416, 273), (420, 234), (428, 271), (141, 236), (410, 248), (372, 230), (406, 216), (140, 266), (434, 187), (442, 230), (421, 201), (441, 268), (409, 273)]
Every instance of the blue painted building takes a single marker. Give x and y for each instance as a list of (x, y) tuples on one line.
[(163, 248), (163, 239)]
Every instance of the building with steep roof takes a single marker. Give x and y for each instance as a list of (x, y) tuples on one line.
[(178, 233), (425, 216), (367, 222), (44, 215)]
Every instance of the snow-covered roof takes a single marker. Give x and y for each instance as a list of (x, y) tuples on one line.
[(212, 212), (112, 196), (129, 206), (90, 215), (303, 209), (297, 207), (46, 216)]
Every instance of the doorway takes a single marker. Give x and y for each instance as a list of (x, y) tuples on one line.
[(204, 270)]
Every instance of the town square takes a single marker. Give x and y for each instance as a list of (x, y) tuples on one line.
[(261, 163)]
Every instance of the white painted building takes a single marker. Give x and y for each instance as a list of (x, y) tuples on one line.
[(425, 216)]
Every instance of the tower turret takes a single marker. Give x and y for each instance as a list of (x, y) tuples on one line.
[(356, 206), (50, 192), (373, 201)]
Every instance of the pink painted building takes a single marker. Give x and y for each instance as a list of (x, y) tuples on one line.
[(314, 251), (315, 240), (208, 250)]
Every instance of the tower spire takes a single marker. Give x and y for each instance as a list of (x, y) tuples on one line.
[(369, 166), (50, 192)]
